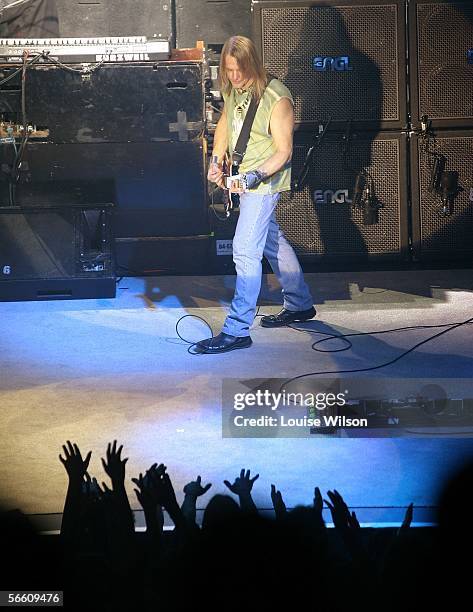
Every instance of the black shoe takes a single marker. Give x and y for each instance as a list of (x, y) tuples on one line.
[(288, 316), (223, 343)]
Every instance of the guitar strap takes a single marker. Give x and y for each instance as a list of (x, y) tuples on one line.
[(244, 136)]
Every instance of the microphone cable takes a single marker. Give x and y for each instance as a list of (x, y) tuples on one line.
[(192, 343), (449, 326), (344, 337)]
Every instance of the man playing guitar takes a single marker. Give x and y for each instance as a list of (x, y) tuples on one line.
[(264, 173)]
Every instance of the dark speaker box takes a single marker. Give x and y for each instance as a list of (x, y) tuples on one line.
[(29, 19), (320, 221), (151, 18), (441, 62), (159, 188), (56, 253), (437, 238), (212, 21), (342, 59), (122, 102)]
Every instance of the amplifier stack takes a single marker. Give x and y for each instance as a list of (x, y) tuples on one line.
[(441, 89), (397, 99)]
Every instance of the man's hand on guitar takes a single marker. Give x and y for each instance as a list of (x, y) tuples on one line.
[(234, 184), (242, 182), (215, 174)]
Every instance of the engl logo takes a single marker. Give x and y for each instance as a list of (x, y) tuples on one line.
[(327, 196), (6, 270), (325, 63)]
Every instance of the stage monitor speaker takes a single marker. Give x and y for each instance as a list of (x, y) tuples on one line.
[(321, 222), (159, 188), (441, 62), (212, 21), (438, 238), (56, 253), (120, 102), (341, 59)]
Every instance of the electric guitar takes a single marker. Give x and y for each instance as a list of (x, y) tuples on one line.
[(231, 200)]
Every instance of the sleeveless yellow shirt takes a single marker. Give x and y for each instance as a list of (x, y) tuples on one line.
[(260, 144)]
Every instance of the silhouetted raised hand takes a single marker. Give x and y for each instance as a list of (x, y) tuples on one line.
[(148, 496), (122, 515), (114, 466), (242, 487), (318, 500), (195, 488), (278, 503), (75, 466), (192, 490), (347, 524), (318, 504), (342, 518), (162, 490), (406, 523)]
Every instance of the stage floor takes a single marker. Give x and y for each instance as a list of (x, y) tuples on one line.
[(94, 370)]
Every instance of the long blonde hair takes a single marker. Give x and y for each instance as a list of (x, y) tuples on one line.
[(244, 51)]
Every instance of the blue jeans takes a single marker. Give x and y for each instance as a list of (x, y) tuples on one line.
[(257, 234)]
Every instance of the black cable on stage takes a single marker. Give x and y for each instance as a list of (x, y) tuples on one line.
[(451, 326), (372, 333), (191, 343)]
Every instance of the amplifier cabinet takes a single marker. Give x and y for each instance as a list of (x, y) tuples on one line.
[(320, 221), (212, 21), (119, 102), (159, 188), (441, 62), (75, 19), (342, 59), (151, 18), (56, 253), (437, 238)]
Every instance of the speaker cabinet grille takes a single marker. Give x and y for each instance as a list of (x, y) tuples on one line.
[(320, 220), (437, 237), (368, 87), (442, 77)]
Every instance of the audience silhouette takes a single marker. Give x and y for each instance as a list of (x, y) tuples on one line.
[(238, 557)]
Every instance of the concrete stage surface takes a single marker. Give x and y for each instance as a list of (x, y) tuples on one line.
[(94, 370)]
